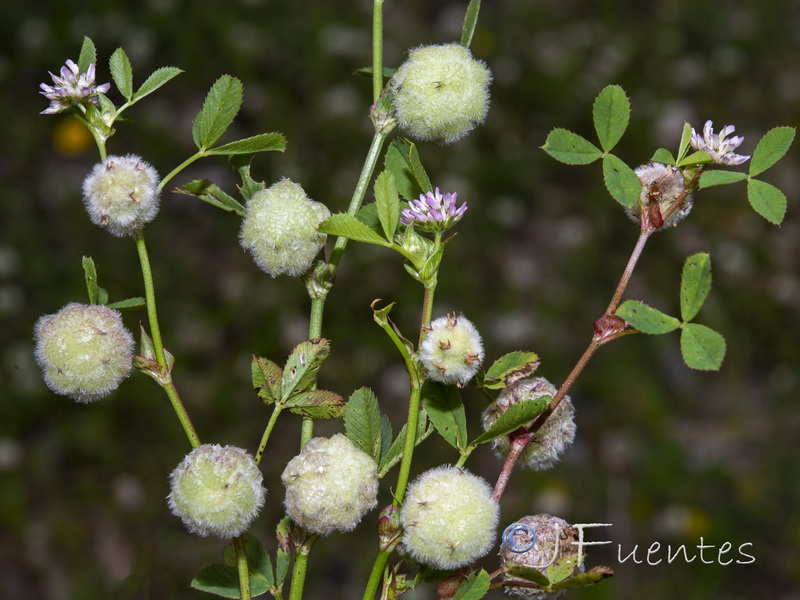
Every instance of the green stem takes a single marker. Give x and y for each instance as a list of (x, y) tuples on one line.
[(155, 333), (244, 570), (375, 576), (411, 437), (180, 168), (267, 431), (183, 416), (150, 297), (300, 565), (358, 194), (377, 49)]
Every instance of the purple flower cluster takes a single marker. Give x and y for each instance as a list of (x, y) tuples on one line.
[(433, 211), (720, 149), (71, 87)]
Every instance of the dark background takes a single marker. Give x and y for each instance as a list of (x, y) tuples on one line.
[(664, 453)]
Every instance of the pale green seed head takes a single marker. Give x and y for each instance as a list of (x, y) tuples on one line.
[(217, 491), (551, 440), (330, 485), (452, 350), (84, 351), (121, 194), (441, 92), (280, 228), (449, 518)]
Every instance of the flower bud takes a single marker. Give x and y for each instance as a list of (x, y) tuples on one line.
[(547, 444), (537, 542), (121, 194), (330, 485), (661, 184), (217, 491), (84, 351), (449, 517), (441, 92), (452, 350), (280, 228)]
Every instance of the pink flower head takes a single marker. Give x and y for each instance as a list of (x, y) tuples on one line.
[(71, 87), (720, 149), (433, 211)]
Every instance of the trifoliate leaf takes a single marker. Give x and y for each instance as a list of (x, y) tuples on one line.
[(219, 109), (515, 417), (263, 142), (120, 67), (303, 364), (570, 148), (720, 177), (695, 284), (470, 21), (473, 587), (686, 140), (702, 347), (387, 203), (223, 580), (351, 228), (90, 272), (402, 159), (156, 79), (646, 318), (767, 200), (509, 368), (611, 112), (87, 56), (446, 412), (621, 181), (258, 562), (362, 422), (663, 156), (770, 149)]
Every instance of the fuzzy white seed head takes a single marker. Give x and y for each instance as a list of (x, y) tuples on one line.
[(663, 184), (330, 485), (280, 228), (121, 194), (553, 543), (217, 490), (555, 436), (449, 518), (441, 92), (452, 350), (84, 351)]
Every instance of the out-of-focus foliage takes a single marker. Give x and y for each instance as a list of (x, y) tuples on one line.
[(664, 453)]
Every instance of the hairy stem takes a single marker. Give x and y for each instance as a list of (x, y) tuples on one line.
[(300, 565), (155, 333), (267, 431), (244, 570), (358, 194), (180, 168), (376, 574), (377, 49)]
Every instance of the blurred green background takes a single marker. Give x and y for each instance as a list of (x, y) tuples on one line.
[(664, 453)]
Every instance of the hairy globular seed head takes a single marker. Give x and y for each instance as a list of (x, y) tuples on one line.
[(84, 351), (121, 194), (537, 541), (449, 518), (280, 228), (452, 350), (662, 184), (216, 490), (555, 436), (441, 92), (330, 485)]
